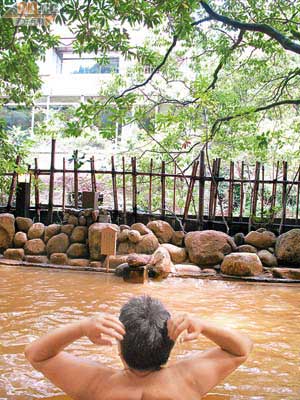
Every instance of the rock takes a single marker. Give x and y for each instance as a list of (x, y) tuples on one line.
[(123, 226), (178, 238), (162, 230), (247, 248), (114, 261), (36, 231), (96, 264), (185, 269), (161, 263), (134, 236), (77, 250), (241, 264), (287, 249), (95, 215), (94, 234), (79, 234), (67, 229), (178, 254), (208, 247), (82, 220), (209, 272), (23, 224), (239, 239), (7, 230), (87, 213), (271, 250), (36, 259), (138, 260), (58, 244), (79, 262), (141, 228), (14, 254), (261, 240), (268, 259), (20, 239), (123, 235), (120, 269), (51, 230), (286, 273), (73, 220), (35, 247), (126, 248), (147, 245), (59, 259)]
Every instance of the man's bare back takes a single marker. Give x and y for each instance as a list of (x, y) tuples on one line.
[(187, 379)]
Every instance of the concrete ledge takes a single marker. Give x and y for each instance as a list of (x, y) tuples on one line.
[(219, 277)]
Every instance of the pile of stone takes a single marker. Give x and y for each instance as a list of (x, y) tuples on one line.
[(155, 247)]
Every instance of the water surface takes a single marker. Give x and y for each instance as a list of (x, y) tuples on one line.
[(33, 301)]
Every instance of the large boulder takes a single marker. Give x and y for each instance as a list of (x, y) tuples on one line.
[(208, 247), (187, 269), (247, 248), (123, 235), (23, 223), (286, 273), (95, 238), (59, 258), (67, 229), (78, 250), (36, 231), (79, 234), (78, 262), (261, 239), (178, 254), (241, 264), (268, 259), (36, 259), (141, 228), (134, 236), (162, 230), (20, 239), (35, 247), (7, 230), (58, 244), (138, 260), (161, 263), (51, 230), (147, 245), (126, 248), (287, 249), (178, 238), (14, 254)]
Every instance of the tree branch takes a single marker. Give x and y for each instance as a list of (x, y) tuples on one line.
[(268, 30)]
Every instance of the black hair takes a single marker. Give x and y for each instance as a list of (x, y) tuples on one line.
[(146, 345)]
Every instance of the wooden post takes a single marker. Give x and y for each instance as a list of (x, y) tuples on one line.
[(274, 187), (297, 200), (76, 178), (51, 183), (150, 187), (190, 190), (201, 189), (230, 190), (212, 191), (284, 191), (114, 184), (93, 175), (255, 188), (242, 191), (262, 192), (36, 190), (124, 191), (64, 185), (134, 188), (13, 184), (174, 189), (163, 189), (216, 185)]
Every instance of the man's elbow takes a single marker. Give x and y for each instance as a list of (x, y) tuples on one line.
[(247, 349)]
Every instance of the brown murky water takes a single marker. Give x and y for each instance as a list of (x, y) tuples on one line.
[(33, 301)]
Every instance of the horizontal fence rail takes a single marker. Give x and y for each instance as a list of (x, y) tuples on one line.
[(208, 191)]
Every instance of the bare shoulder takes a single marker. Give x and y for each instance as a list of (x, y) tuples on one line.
[(207, 368)]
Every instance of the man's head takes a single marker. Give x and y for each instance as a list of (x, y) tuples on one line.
[(146, 344)]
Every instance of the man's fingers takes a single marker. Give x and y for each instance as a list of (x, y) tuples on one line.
[(173, 323), (115, 319), (113, 324), (180, 328), (110, 332), (190, 336)]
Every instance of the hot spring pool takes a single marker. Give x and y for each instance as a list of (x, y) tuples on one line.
[(33, 301)]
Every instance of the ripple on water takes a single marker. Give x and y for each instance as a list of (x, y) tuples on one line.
[(34, 301)]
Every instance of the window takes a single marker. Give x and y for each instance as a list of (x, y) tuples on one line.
[(89, 66)]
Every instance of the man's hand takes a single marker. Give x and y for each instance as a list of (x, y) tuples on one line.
[(94, 328), (184, 322)]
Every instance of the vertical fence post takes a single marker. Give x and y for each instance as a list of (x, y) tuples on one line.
[(230, 190), (13, 184), (216, 185), (190, 190), (262, 192), (242, 191), (76, 177), (255, 188), (51, 183), (64, 185), (114, 184), (93, 175), (150, 187), (134, 188), (201, 190), (211, 191), (284, 191), (163, 189), (124, 191), (297, 199), (36, 190), (174, 189), (274, 188)]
